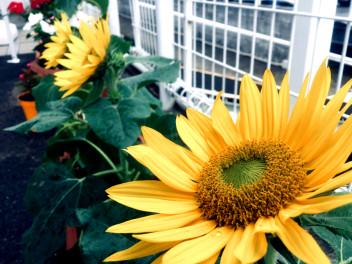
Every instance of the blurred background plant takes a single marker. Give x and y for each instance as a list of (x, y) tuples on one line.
[(28, 79)]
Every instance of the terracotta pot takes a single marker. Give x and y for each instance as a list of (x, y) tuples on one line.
[(27, 103), (35, 67)]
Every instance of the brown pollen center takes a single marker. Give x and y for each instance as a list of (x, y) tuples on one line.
[(243, 183)]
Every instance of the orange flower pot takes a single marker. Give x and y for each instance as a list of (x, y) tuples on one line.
[(28, 105)]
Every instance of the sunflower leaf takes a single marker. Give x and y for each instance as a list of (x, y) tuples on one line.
[(95, 243), (165, 70), (56, 113), (105, 121), (342, 247), (68, 6), (46, 91), (118, 45), (338, 220), (51, 192)]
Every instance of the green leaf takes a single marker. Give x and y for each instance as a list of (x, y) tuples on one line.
[(51, 197), (134, 108), (338, 220), (341, 246), (45, 92), (55, 113), (118, 45), (105, 121), (165, 70), (155, 60), (95, 243), (68, 6), (90, 92), (118, 124)]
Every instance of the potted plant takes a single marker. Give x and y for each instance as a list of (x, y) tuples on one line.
[(28, 80)]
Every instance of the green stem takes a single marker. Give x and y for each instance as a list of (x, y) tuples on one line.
[(108, 160), (102, 173)]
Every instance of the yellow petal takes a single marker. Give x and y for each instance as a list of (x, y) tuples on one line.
[(296, 115), (270, 110), (223, 122), (193, 139), (228, 256), (252, 246), (139, 250), (211, 260), (307, 122), (315, 205), (167, 171), (199, 249), (333, 184), (180, 156), (205, 127), (300, 242), (180, 233), (152, 196), (328, 123), (251, 121), (328, 162), (265, 225), (284, 105), (157, 222)]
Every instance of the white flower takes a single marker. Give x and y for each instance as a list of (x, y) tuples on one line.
[(47, 28), (33, 19), (85, 11)]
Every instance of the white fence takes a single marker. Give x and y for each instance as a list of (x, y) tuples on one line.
[(217, 41)]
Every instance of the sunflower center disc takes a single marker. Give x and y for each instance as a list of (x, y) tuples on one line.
[(244, 183)]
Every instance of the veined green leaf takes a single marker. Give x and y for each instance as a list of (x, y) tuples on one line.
[(95, 243), (55, 113), (338, 220), (45, 92), (68, 6), (341, 246), (51, 198)]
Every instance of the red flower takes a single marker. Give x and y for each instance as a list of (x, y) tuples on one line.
[(22, 77), (16, 7)]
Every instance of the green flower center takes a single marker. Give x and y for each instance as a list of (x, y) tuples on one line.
[(244, 183), (243, 172)]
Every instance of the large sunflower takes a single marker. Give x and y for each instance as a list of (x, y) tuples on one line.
[(84, 56), (56, 49), (240, 181)]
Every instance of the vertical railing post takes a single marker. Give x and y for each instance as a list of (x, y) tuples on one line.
[(165, 40), (114, 19), (311, 41), (187, 54), (136, 23)]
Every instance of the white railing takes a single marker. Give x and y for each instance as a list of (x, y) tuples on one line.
[(218, 41)]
